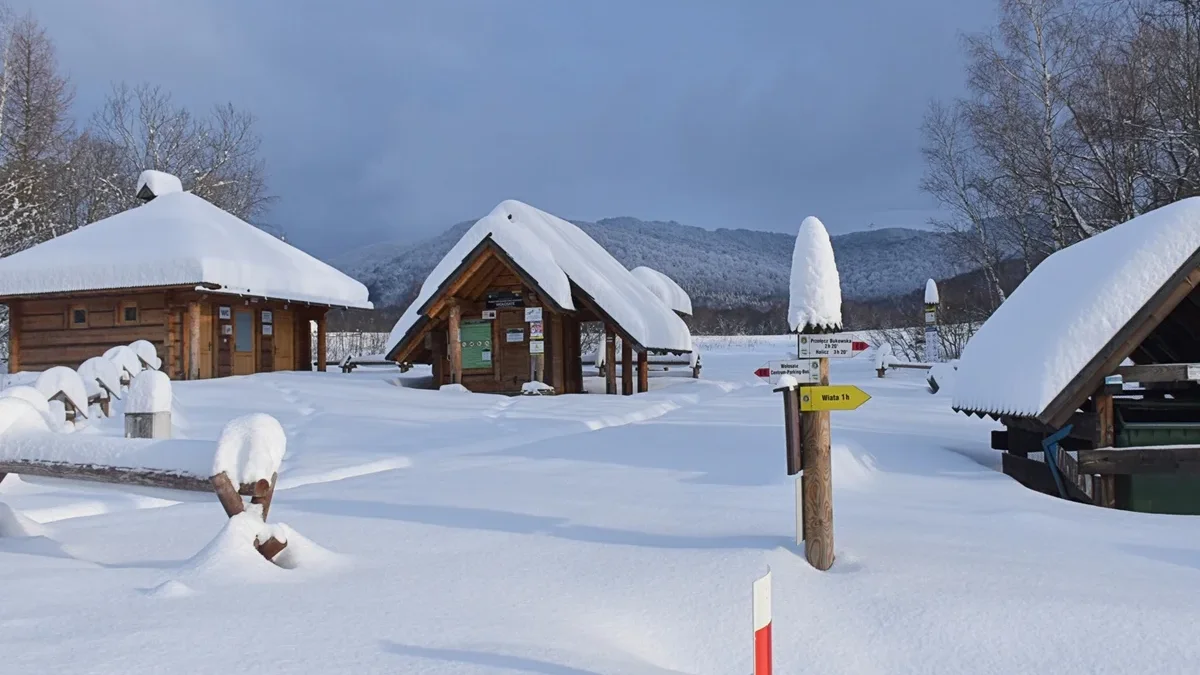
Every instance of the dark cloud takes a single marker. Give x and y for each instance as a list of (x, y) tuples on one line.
[(396, 119)]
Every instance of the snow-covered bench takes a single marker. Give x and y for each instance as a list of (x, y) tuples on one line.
[(351, 362), (885, 360), (245, 461), (661, 361)]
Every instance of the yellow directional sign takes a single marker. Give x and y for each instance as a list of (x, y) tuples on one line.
[(832, 397)]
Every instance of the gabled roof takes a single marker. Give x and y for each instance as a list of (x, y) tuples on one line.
[(1078, 315), (178, 239), (665, 288), (557, 256)]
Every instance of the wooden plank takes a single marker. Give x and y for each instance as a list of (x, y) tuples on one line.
[(1106, 361), (14, 337), (1149, 459), (1105, 430), (1160, 372), (454, 342), (193, 340), (626, 368), (1084, 426), (158, 478), (227, 495), (111, 336), (57, 321)]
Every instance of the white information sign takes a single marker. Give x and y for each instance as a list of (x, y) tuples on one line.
[(835, 346), (533, 314), (806, 371), (537, 347)]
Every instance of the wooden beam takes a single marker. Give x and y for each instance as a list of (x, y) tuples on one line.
[(159, 478), (322, 350), (14, 337), (193, 336), (1161, 372), (610, 360), (1147, 459), (643, 375), (454, 342), (626, 368), (1106, 361)]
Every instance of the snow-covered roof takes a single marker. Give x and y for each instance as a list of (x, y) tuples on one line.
[(555, 253), (816, 292), (1069, 309), (177, 239), (665, 288)]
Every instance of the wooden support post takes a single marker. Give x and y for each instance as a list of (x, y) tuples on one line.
[(610, 360), (14, 337), (270, 548), (322, 351), (193, 338), (643, 368), (626, 368), (817, 484), (1106, 486), (227, 493), (264, 492), (454, 342)]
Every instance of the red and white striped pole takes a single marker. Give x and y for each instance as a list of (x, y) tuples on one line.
[(762, 624)]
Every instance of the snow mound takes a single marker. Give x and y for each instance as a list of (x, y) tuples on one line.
[(302, 553), (34, 398), (13, 524), (816, 292), (250, 449), (231, 555), (941, 379), (147, 353), (852, 466), (125, 359), (98, 371), (150, 392), (787, 382), (19, 415), (171, 588), (883, 356), (63, 380), (454, 389), (931, 292), (536, 389), (663, 286), (159, 183)]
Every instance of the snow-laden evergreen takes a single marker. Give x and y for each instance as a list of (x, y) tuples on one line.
[(815, 300)]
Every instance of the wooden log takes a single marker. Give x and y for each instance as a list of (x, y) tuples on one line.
[(14, 337), (455, 343), (817, 484), (193, 337), (322, 350), (643, 375), (230, 500), (1106, 491), (270, 548), (156, 478), (626, 368), (264, 492), (148, 425), (610, 360), (1160, 372), (1147, 459)]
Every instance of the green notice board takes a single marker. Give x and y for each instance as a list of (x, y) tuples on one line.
[(476, 339)]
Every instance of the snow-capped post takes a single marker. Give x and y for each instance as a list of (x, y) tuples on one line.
[(932, 342), (815, 307), (148, 406), (761, 603), (249, 453)]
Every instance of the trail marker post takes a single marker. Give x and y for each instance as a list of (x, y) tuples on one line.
[(761, 602), (932, 340)]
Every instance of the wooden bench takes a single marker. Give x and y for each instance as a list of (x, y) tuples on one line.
[(172, 464), (656, 361)]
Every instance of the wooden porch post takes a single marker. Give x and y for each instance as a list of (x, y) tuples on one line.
[(643, 369), (193, 336), (322, 354), (455, 343), (610, 360), (626, 368), (14, 337)]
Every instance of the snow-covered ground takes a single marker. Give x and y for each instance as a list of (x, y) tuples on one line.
[(580, 535)]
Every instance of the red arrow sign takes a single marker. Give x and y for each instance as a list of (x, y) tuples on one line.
[(763, 372)]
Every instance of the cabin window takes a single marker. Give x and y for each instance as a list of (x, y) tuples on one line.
[(127, 313), (243, 332), (77, 317)]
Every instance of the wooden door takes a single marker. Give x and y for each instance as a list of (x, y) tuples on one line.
[(208, 333), (512, 347), (285, 340), (243, 342)]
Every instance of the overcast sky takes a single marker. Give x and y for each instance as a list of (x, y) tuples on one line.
[(393, 120)]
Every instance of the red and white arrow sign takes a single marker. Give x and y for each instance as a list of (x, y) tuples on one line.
[(835, 346), (806, 371)]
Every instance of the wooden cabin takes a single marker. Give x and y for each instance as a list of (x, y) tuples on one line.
[(214, 294), (505, 306), (1093, 367)]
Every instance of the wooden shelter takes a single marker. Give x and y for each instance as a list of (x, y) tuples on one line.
[(1102, 406), (214, 294), (504, 309)]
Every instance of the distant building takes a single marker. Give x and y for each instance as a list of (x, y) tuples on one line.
[(214, 294), (504, 308)]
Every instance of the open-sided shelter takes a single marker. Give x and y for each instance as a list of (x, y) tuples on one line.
[(1100, 346), (214, 294), (504, 308)]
